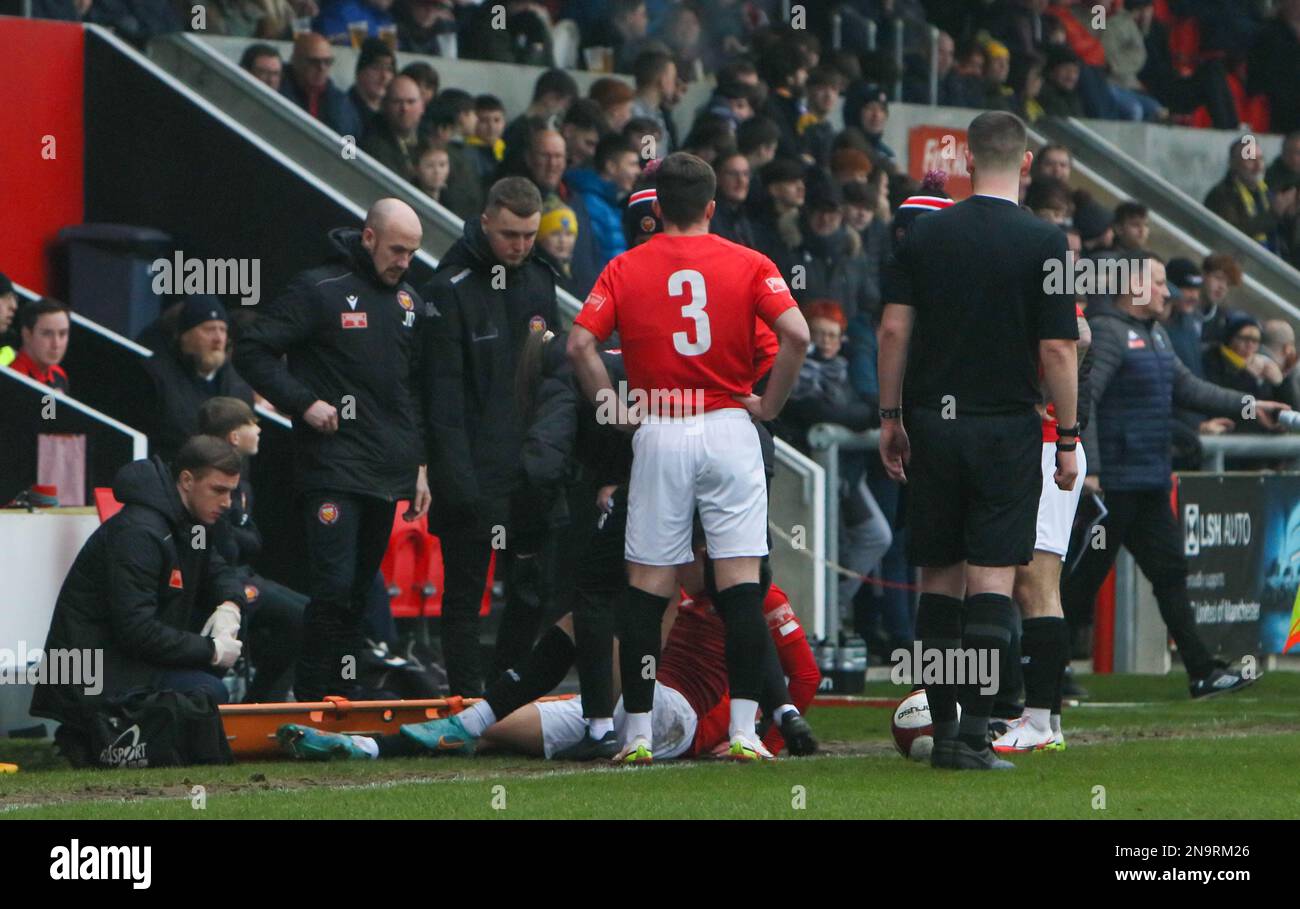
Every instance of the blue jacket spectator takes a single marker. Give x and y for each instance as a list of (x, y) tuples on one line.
[(604, 210)]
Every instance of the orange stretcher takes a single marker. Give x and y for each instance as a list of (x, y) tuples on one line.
[(250, 728)]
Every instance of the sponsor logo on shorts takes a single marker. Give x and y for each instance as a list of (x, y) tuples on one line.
[(328, 513), (354, 319)]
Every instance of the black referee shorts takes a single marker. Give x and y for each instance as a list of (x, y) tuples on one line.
[(973, 486)]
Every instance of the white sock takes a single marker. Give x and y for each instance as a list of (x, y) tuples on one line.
[(597, 727), (1056, 722), (1039, 717), (638, 727), (779, 714), (366, 744), (744, 717), (477, 719)]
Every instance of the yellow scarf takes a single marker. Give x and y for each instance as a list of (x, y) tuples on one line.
[(1232, 356), (1248, 200)]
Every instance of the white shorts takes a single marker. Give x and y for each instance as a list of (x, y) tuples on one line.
[(1055, 506), (672, 724), (711, 462)]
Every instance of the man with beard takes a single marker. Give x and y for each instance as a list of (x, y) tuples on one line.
[(334, 352), (193, 368)]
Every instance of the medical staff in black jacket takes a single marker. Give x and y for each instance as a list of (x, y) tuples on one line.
[(335, 353), (490, 291)]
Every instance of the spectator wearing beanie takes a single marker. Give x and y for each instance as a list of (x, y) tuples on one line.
[(1095, 223), (194, 366), (1184, 325), (376, 66), (866, 110), (640, 222), (1060, 95), (557, 235), (782, 196), (830, 254), (1232, 364)]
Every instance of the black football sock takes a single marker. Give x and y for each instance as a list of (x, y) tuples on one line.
[(1046, 648), (1008, 703), (398, 745), (741, 608), (985, 633), (639, 617), (938, 628), (593, 632), (537, 676), (776, 692)]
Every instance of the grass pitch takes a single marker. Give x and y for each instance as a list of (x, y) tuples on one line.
[(1153, 752)]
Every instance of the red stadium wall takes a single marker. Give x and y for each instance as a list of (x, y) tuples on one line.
[(40, 182)]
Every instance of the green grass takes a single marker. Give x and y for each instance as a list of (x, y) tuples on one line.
[(1232, 757)]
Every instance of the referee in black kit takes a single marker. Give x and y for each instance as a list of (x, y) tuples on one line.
[(966, 290)]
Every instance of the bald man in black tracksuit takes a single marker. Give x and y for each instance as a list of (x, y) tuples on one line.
[(335, 352)]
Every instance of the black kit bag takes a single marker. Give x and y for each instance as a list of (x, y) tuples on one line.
[(154, 728)]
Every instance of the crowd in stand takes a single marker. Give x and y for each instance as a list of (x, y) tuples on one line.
[(818, 199)]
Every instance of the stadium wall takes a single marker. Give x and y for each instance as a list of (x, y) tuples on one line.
[(41, 156)]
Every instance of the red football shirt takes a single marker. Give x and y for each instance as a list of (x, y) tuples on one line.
[(685, 308)]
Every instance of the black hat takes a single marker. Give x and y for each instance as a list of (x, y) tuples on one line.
[(1060, 53), (822, 195), (1236, 322), (781, 170), (1183, 273), (6, 286), (198, 309), (372, 51), (1092, 218)]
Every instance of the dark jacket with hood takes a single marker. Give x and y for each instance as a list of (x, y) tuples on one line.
[(470, 346), (334, 109), (138, 591), (834, 266), (180, 392), (340, 335)]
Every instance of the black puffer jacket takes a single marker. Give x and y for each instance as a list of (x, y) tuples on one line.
[(470, 349), (139, 591), (180, 393), (350, 340)]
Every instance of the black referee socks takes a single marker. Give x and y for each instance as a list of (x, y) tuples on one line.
[(593, 634), (537, 676), (741, 608), (987, 631), (1046, 646), (938, 627), (638, 621)]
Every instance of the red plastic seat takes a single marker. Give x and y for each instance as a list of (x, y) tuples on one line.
[(413, 570)]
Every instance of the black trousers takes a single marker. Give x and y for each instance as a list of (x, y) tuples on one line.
[(346, 536), (1143, 522), (273, 634), (465, 559)]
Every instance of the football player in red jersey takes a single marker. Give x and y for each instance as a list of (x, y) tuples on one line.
[(684, 305)]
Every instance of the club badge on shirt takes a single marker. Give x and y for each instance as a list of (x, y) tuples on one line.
[(536, 323), (1135, 341), (328, 513), (408, 307), (354, 320)]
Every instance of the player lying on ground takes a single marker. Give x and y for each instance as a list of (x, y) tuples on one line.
[(692, 707)]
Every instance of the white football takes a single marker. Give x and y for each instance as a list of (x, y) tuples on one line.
[(912, 728)]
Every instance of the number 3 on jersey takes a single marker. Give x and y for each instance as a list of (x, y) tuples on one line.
[(678, 282)]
